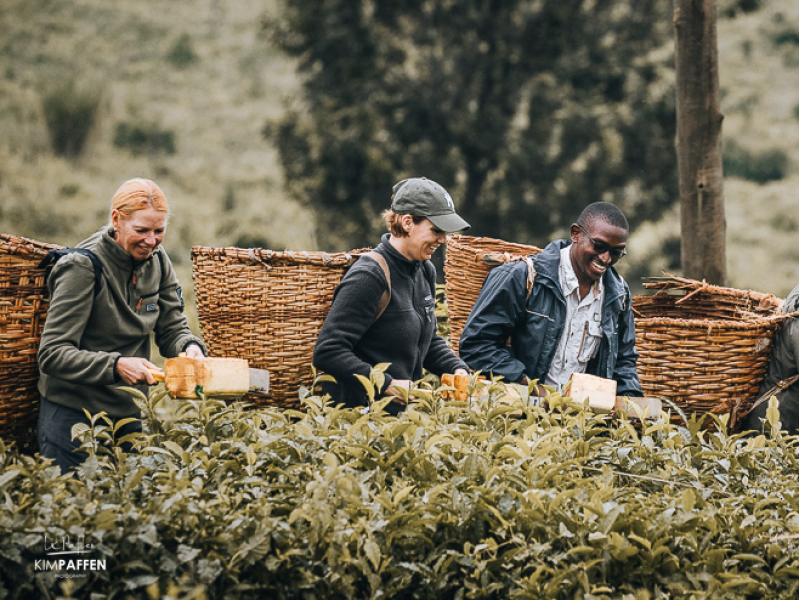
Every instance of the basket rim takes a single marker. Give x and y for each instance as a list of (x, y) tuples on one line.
[(471, 246), (268, 258), (669, 282), (26, 247), (460, 239), (751, 322)]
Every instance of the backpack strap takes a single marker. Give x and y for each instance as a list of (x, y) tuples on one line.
[(160, 254), (53, 256), (386, 297), (531, 272)]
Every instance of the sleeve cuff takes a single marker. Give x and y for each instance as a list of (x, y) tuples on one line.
[(196, 343), (386, 384), (117, 377)]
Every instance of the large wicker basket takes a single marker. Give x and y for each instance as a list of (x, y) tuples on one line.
[(267, 307), (23, 307), (469, 259), (704, 347)]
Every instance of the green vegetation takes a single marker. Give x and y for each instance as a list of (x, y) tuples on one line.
[(209, 76), (771, 165), (144, 139), (469, 500), (525, 112), (182, 54), (70, 116)]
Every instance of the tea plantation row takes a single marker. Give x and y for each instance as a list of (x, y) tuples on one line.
[(460, 500)]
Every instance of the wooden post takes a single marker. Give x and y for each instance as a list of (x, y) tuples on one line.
[(698, 142)]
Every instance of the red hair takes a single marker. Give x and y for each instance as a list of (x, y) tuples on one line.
[(138, 194)]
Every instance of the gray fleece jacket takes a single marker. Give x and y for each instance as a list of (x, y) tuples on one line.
[(88, 330), (784, 363)]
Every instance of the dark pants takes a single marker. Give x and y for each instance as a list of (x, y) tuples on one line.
[(54, 434)]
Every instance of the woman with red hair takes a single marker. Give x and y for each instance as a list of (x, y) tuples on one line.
[(106, 297)]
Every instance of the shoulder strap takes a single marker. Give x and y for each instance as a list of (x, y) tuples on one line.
[(386, 297), (53, 256), (531, 272), (160, 253)]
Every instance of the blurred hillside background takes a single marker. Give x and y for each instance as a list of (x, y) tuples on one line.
[(206, 97)]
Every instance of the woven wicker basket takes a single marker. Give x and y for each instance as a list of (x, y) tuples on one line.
[(267, 307), (23, 307), (469, 259), (705, 347)]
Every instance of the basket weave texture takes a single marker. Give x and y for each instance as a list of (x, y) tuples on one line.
[(705, 347), (469, 260), (267, 307), (23, 307)]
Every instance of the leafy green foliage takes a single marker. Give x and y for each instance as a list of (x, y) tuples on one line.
[(488, 498), (142, 138), (70, 115), (182, 54), (771, 165), (732, 8), (525, 111)]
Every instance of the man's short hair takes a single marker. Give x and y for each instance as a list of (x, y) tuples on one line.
[(609, 213)]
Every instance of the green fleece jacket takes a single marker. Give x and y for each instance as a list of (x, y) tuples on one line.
[(88, 330)]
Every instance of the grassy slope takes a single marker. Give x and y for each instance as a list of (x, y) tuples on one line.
[(224, 182), (760, 81), (760, 93)]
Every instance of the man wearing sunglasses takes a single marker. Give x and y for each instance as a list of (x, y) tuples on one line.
[(576, 317)]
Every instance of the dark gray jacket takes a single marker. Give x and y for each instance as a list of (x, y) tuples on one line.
[(87, 330), (784, 363), (534, 326), (352, 342)]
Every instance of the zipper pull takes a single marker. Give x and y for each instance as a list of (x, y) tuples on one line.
[(133, 277), (138, 306)]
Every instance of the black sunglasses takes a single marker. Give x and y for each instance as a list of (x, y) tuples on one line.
[(602, 247)]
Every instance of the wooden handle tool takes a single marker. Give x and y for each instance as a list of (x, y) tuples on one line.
[(157, 374)]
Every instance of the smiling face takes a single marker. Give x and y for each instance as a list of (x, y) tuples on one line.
[(422, 239), (595, 248), (140, 234)]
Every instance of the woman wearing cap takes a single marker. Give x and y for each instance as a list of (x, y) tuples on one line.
[(359, 332), (105, 299)]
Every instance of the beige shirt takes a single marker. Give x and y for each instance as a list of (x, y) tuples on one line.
[(582, 330)]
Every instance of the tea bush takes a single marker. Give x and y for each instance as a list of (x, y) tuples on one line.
[(488, 498)]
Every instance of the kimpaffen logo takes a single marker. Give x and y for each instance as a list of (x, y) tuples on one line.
[(68, 555)]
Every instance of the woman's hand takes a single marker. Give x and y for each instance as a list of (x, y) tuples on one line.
[(461, 372), (194, 351), (396, 389), (135, 370)]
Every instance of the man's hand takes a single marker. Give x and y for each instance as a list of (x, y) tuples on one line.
[(135, 370), (538, 390)]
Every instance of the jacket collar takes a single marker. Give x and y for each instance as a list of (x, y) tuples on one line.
[(408, 267)]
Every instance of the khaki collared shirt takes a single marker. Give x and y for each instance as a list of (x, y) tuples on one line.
[(582, 330)]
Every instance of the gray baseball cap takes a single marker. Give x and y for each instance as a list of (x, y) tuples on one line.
[(422, 197)]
